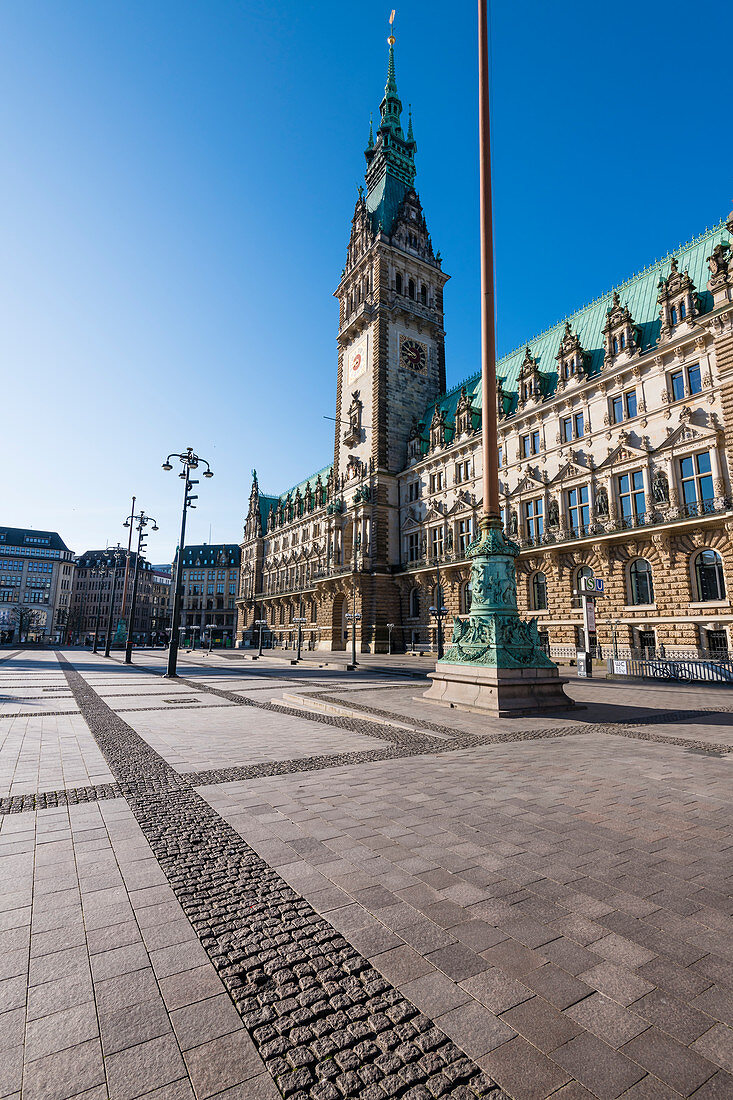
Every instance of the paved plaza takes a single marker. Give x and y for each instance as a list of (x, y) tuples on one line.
[(323, 887)]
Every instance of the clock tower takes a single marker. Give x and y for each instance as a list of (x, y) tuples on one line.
[(391, 358)]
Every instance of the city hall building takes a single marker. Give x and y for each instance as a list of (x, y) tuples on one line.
[(615, 435)]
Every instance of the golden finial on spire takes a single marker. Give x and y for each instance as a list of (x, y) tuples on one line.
[(391, 38)]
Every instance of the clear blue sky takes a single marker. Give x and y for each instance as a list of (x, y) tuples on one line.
[(175, 204)]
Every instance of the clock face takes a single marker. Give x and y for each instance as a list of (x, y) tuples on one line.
[(413, 355), (357, 360)]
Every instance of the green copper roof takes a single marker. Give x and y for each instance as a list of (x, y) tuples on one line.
[(390, 159), (323, 474), (639, 293), (266, 505)]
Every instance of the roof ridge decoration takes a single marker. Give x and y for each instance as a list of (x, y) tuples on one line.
[(638, 294)]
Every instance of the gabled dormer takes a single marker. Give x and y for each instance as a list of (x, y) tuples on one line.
[(464, 414), (621, 337), (530, 381), (678, 300), (572, 359), (720, 266), (437, 429)]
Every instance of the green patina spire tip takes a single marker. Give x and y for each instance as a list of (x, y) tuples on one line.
[(410, 135), (371, 130)]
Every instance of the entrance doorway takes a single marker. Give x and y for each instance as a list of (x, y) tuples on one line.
[(338, 623)]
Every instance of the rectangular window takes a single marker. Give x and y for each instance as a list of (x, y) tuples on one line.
[(413, 491), (535, 443), (463, 472), (697, 479), (566, 429), (677, 385), (579, 425), (413, 546), (220, 589), (694, 379), (630, 402), (525, 446), (436, 482), (501, 457), (617, 410), (578, 509), (631, 496), (436, 542), (533, 515), (464, 535)]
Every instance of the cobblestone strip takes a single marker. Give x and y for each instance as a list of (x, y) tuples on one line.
[(68, 796), (613, 729), (36, 713), (325, 1022)]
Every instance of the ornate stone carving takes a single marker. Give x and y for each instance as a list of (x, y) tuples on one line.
[(621, 336), (678, 300)]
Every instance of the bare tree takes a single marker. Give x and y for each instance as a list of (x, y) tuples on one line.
[(27, 619)]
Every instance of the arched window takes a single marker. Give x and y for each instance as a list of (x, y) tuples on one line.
[(411, 288), (466, 598), (641, 585), (709, 579), (673, 313), (415, 603), (683, 311), (615, 345), (437, 599), (424, 294), (398, 283), (539, 592), (583, 571), (622, 341)]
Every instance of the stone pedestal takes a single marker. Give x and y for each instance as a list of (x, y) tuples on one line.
[(495, 663), (501, 692)]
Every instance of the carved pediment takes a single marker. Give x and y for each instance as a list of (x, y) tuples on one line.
[(528, 484), (569, 470), (687, 433), (623, 452), (435, 510), (410, 522)]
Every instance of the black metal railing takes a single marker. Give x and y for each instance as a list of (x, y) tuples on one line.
[(649, 518), (719, 671)]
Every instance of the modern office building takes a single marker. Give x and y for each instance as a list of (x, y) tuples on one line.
[(36, 575), (209, 581)]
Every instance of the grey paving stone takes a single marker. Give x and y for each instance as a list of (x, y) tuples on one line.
[(222, 1063), (142, 1068), (607, 1019), (678, 1067), (134, 1025), (474, 1029), (60, 1030), (617, 982), (58, 994), (191, 986), (205, 1020), (435, 994), (64, 1074), (523, 1071), (11, 1071), (401, 965), (606, 1072)]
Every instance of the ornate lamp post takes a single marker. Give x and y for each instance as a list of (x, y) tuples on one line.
[(142, 523), (300, 622), (189, 461), (495, 662), (260, 623), (353, 618), (439, 613), (390, 628), (117, 556), (103, 572)]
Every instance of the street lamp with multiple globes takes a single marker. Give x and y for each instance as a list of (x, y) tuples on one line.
[(117, 556), (189, 461), (142, 522)]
